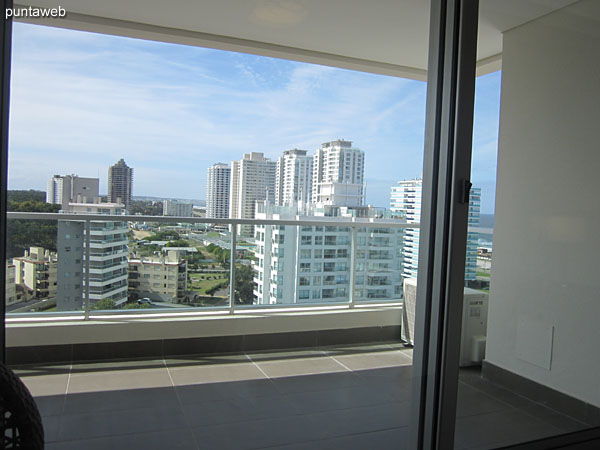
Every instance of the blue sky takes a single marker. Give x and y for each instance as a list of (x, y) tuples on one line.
[(81, 101)]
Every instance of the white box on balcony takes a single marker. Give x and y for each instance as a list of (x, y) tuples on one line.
[(474, 322)]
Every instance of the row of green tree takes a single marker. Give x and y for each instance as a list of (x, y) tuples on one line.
[(108, 303), (146, 208), (167, 235), (22, 234)]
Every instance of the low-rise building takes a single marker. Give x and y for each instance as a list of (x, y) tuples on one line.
[(177, 209), (36, 270), (161, 279)]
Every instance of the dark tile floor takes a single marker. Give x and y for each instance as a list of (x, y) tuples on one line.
[(352, 397)]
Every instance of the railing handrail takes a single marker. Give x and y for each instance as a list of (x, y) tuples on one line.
[(349, 222)]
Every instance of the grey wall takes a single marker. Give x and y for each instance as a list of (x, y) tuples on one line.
[(544, 308)]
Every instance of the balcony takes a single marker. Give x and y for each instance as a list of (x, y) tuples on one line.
[(339, 397), (239, 367)]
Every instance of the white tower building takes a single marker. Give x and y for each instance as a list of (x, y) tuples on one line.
[(294, 178), (218, 181), (312, 264), (406, 201), (252, 179), (338, 174)]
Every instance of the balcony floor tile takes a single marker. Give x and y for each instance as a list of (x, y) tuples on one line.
[(374, 360), (300, 366), (47, 384), (177, 438), (350, 397), (116, 380), (112, 423), (214, 373)]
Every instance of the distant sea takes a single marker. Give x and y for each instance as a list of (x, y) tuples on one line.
[(193, 201), (486, 221)]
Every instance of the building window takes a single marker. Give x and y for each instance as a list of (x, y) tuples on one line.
[(305, 254), (306, 240), (341, 279), (303, 294)]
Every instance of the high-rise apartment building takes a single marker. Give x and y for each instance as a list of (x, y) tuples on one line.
[(312, 264), (252, 179), (406, 201), (108, 257), (63, 189), (338, 174), (120, 183), (294, 178), (218, 181)]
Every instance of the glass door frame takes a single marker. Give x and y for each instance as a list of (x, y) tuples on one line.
[(444, 219), (443, 236)]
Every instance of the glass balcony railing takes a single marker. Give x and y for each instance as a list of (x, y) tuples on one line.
[(358, 264)]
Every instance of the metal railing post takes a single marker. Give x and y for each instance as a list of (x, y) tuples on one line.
[(232, 269), (353, 267), (87, 270)]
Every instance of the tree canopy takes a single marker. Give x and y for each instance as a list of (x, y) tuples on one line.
[(22, 234)]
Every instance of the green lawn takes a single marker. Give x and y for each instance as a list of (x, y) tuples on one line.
[(483, 274), (201, 284)]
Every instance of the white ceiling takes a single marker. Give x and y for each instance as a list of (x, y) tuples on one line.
[(390, 34)]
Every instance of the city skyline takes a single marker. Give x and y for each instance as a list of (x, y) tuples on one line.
[(169, 109)]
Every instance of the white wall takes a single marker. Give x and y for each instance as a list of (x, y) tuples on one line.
[(544, 313)]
